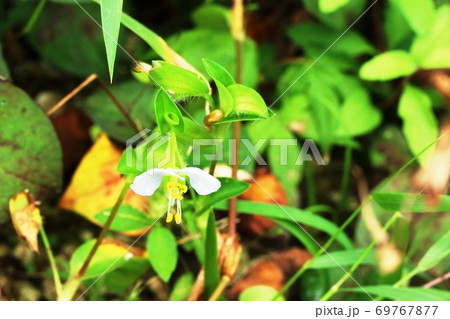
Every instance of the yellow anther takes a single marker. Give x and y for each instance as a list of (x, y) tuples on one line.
[(183, 189), (169, 217), (170, 185), (178, 218)]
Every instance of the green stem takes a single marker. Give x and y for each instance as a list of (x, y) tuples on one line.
[(51, 259), (104, 231), (35, 15), (69, 289), (71, 285), (345, 178), (335, 287), (232, 209), (407, 277)]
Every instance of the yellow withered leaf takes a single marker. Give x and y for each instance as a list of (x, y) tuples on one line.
[(26, 218), (96, 184)]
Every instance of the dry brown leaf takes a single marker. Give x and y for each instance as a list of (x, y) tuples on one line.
[(26, 218), (265, 272), (389, 258), (268, 184), (229, 254), (434, 178), (96, 184), (272, 271)]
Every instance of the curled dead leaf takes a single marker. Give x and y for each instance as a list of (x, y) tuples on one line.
[(230, 254), (441, 81), (434, 178), (389, 258), (26, 218)]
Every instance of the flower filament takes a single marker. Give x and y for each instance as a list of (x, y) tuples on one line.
[(175, 192)]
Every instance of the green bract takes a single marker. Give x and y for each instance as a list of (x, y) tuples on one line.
[(167, 114)]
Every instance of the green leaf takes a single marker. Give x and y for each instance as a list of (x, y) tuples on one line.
[(285, 213), (327, 6), (419, 123), (30, 153), (167, 114), (127, 219), (125, 276), (70, 1), (243, 116), (339, 19), (162, 252), (57, 48), (394, 19), (436, 253), (431, 50), (229, 188), (315, 37), (298, 233), (420, 14), (314, 285), (226, 101), (358, 115), (136, 98), (247, 105), (111, 11), (387, 66), (218, 72), (212, 16), (182, 287), (177, 81), (260, 293), (343, 258), (404, 294), (283, 167), (151, 38), (411, 203), (219, 46), (109, 256), (212, 273), (126, 168), (247, 100)]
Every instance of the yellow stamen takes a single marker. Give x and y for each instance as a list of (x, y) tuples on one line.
[(178, 218), (169, 217), (170, 185)]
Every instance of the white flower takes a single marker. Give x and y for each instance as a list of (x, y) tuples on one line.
[(147, 183)]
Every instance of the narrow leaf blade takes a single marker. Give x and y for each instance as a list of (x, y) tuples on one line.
[(211, 257), (111, 12)]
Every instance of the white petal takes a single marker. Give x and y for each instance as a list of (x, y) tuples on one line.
[(201, 181), (147, 183)]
